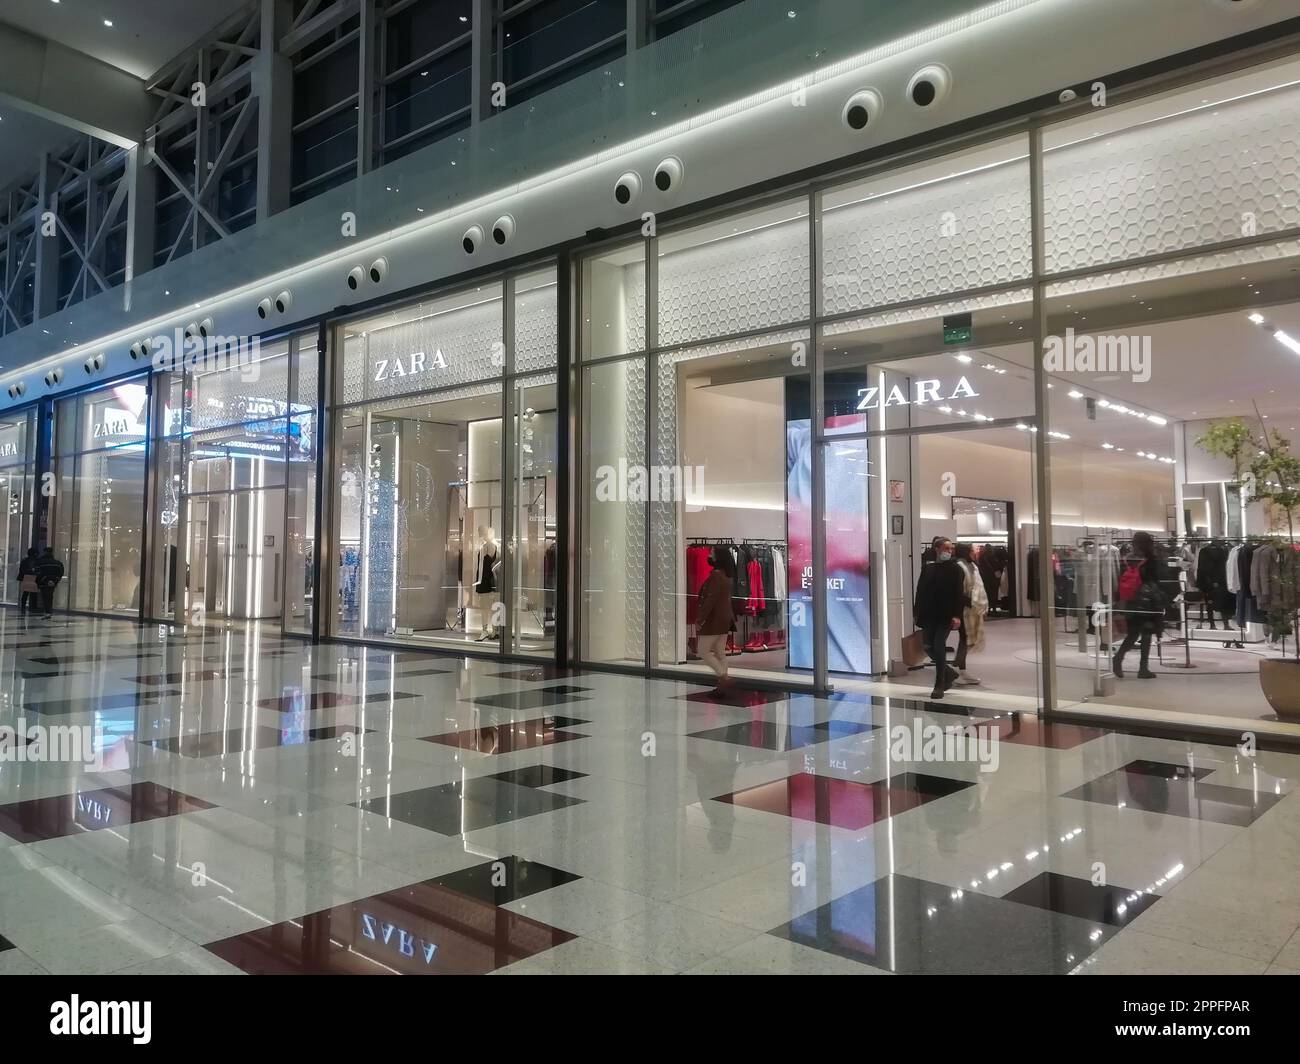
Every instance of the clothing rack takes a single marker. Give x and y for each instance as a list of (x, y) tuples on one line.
[(758, 597)]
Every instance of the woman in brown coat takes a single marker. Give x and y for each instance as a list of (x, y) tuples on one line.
[(714, 618)]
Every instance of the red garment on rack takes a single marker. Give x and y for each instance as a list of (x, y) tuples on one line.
[(697, 571), (756, 603)]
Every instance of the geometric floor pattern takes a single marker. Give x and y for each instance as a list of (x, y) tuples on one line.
[(248, 803)]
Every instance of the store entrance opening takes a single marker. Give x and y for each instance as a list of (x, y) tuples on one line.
[(234, 555), (970, 491)]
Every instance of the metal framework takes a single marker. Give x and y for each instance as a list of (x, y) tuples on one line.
[(281, 102)]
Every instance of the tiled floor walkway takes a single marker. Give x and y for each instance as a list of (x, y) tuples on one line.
[(260, 805)]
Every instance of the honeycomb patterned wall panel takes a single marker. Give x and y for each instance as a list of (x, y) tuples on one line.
[(536, 329), (229, 397), (1199, 178), (734, 285), (637, 383), (1021, 297), (923, 242), (1219, 260)]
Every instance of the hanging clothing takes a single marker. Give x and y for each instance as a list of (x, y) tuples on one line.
[(977, 605), (485, 563)]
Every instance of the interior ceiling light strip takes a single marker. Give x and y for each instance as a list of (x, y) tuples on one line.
[(1280, 335), (780, 92)]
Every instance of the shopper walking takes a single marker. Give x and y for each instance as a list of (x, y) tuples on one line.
[(971, 635), (1141, 603), (937, 610), (715, 617), (49, 571), (28, 589)]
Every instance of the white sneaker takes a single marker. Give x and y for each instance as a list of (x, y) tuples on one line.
[(966, 680)]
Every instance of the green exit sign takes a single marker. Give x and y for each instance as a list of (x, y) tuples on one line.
[(958, 329)]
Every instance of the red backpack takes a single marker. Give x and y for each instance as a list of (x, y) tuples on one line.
[(1130, 582)]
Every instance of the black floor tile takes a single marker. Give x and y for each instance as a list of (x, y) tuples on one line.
[(465, 805), (504, 880), (766, 735), (536, 699), (1168, 770), (536, 673), (915, 927), (1071, 896), (236, 740), (745, 698), (537, 775), (1179, 796), (57, 707)]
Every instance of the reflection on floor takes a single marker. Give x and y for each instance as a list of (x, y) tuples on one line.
[(239, 802)]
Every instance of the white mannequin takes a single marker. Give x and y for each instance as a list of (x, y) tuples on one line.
[(486, 591)]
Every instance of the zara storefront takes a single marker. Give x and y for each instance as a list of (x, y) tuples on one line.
[(536, 461), (858, 356)]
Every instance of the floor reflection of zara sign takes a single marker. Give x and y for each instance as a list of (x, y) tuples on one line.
[(930, 391), (411, 365), (397, 938)]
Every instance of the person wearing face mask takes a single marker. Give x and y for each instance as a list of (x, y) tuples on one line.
[(714, 616), (937, 610)]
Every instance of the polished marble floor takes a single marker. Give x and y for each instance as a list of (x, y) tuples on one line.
[(256, 805)]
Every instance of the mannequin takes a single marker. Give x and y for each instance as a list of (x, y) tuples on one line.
[(486, 561)]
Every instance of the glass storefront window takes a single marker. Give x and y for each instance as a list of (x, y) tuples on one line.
[(98, 506), (431, 547), (235, 462), (18, 483)]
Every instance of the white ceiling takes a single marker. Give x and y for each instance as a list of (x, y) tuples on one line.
[(145, 33)]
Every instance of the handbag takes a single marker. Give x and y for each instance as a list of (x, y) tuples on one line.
[(914, 652), (28, 585)]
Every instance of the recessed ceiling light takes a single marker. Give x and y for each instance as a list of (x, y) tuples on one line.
[(108, 22)]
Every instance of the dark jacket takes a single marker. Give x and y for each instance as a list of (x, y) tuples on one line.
[(1146, 609), (714, 615), (940, 594), (49, 570)]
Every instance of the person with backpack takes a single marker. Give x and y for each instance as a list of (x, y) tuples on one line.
[(1142, 603), (28, 589), (49, 571)]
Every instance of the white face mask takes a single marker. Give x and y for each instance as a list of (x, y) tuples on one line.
[(944, 556)]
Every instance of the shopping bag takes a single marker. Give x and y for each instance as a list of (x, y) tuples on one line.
[(29, 585), (914, 652)]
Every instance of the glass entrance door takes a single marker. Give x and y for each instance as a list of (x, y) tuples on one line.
[(235, 556)]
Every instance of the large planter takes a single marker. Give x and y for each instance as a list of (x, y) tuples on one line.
[(1280, 679)]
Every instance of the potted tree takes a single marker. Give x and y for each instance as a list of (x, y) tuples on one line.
[(1265, 470)]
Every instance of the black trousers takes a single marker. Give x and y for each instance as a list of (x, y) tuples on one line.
[(28, 600), (47, 598), (936, 643), (1134, 634)]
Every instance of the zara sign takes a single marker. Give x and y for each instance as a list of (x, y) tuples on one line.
[(927, 391), (411, 365)]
